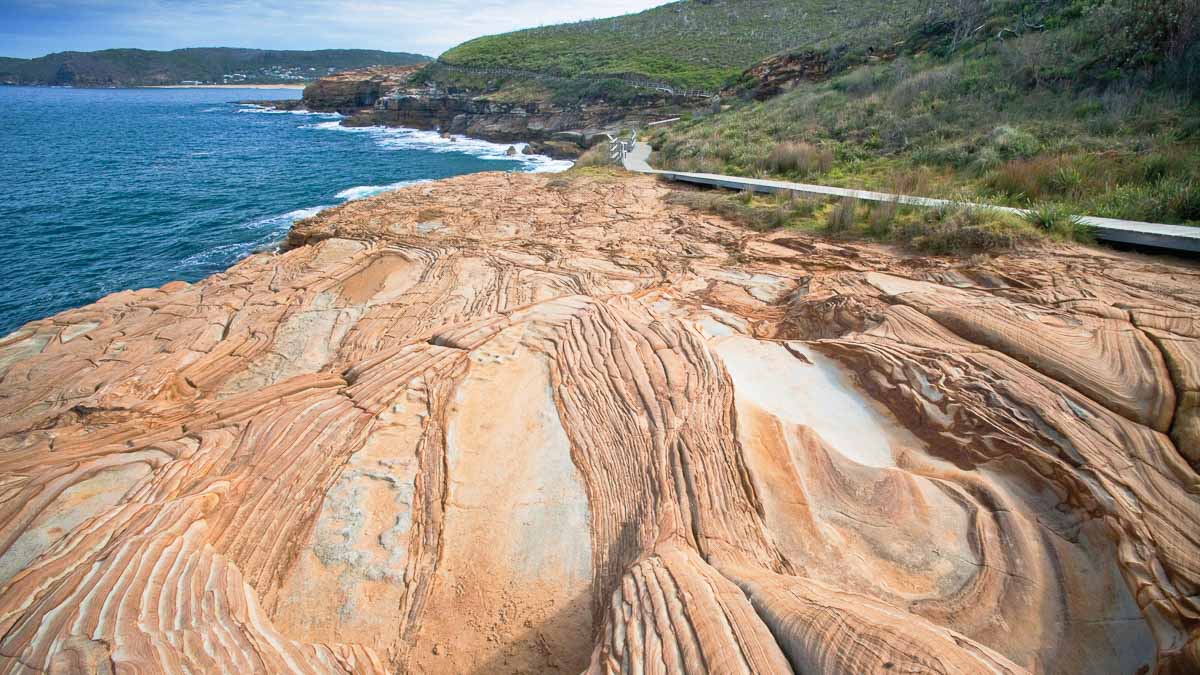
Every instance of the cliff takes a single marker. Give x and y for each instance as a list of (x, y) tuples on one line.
[(518, 423), (391, 97), (351, 91)]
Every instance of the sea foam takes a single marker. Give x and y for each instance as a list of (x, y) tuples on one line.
[(363, 191), (263, 110), (402, 138)]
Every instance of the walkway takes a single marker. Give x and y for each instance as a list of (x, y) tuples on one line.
[(1176, 237)]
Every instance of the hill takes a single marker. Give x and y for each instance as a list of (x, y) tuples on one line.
[(215, 65), (1092, 106), (696, 44)]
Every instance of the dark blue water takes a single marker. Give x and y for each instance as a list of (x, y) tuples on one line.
[(105, 190)]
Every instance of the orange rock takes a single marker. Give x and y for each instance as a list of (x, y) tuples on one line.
[(507, 423)]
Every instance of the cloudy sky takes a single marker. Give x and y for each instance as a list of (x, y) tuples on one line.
[(36, 27)]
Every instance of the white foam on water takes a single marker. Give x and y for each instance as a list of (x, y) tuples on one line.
[(273, 229), (285, 219), (401, 138), (263, 110), (362, 191)]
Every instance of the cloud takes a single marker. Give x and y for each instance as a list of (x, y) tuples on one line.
[(36, 27)]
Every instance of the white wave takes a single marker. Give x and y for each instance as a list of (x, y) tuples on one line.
[(363, 191), (272, 230), (263, 110), (401, 138), (285, 220)]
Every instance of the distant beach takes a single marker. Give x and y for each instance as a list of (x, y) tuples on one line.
[(225, 86)]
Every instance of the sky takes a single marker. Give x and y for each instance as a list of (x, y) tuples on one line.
[(31, 28)]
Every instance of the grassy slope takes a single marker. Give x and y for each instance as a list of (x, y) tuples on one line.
[(139, 66), (1085, 110), (691, 43)]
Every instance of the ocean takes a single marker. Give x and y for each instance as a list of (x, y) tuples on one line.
[(113, 189)]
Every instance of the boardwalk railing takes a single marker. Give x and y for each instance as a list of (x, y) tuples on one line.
[(619, 148)]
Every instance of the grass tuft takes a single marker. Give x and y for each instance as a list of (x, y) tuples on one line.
[(842, 216), (800, 158)]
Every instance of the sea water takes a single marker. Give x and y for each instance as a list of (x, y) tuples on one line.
[(103, 190)]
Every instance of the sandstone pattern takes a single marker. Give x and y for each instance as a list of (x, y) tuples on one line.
[(511, 423)]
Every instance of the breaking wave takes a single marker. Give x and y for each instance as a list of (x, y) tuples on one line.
[(400, 138)]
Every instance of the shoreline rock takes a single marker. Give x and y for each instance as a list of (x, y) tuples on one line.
[(388, 97), (561, 423)]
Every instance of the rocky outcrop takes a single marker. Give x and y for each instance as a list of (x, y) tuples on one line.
[(387, 97), (776, 74), (781, 72), (516, 423), (350, 91), (554, 130)]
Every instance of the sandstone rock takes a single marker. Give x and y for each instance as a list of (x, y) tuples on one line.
[(508, 424), (350, 91)]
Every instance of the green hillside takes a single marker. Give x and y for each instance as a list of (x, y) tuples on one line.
[(694, 43), (216, 65), (1087, 105)]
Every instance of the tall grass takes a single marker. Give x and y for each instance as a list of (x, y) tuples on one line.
[(800, 158)]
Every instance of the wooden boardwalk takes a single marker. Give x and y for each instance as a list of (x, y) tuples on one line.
[(1174, 237)]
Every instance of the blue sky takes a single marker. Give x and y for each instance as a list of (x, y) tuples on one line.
[(36, 27)]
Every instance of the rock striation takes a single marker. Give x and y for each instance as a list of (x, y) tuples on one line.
[(513, 423)]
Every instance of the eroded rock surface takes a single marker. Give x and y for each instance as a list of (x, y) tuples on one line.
[(506, 423)]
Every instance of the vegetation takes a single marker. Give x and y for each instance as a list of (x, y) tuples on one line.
[(1078, 106), (696, 44), (135, 67), (955, 229)]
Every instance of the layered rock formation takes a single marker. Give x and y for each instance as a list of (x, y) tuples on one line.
[(511, 423), (558, 131), (385, 96), (350, 91)]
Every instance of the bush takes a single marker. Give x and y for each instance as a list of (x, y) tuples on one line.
[(1010, 142), (962, 230), (1180, 197), (757, 213), (799, 158), (1033, 179), (842, 216), (1056, 220), (597, 155), (925, 83)]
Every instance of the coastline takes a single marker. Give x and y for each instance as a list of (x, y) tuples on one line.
[(264, 225)]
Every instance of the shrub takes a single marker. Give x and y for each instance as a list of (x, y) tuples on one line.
[(757, 214), (963, 230), (842, 216), (1180, 197), (881, 216), (924, 83), (1057, 220), (1010, 142), (1033, 179), (800, 158), (597, 155)]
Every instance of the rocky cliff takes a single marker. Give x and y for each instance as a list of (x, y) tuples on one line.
[(351, 91), (513, 423), (388, 97)]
